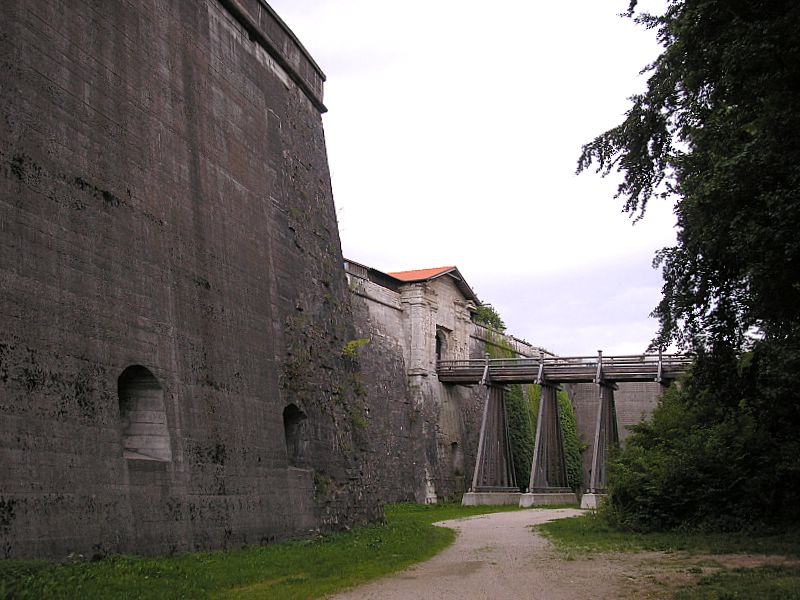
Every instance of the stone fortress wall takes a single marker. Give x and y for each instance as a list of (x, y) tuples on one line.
[(173, 305), (182, 365)]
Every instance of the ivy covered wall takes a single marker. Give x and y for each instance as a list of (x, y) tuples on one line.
[(522, 406)]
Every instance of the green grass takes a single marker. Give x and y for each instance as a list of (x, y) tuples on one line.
[(762, 583), (589, 533), (298, 569)]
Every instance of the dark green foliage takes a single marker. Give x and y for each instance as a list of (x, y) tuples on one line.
[(573, 447), (718, 131), (522, 402), (716, 455), (485, 314)]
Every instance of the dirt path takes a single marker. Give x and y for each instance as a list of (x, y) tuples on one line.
[(498, 557)]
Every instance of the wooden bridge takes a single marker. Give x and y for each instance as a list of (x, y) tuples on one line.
[(556, 369), (494, 473)]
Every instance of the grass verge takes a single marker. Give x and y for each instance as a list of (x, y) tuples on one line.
[(298, 569), (589, 533), (761, 583)]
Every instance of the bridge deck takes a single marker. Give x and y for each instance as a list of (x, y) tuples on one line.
[(577, 369)]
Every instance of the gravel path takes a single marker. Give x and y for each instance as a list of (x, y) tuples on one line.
[(497, 556)]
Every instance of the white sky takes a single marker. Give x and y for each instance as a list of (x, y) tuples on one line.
[(453, 133)]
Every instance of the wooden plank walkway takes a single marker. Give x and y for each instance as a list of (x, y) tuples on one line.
[(570, 369)]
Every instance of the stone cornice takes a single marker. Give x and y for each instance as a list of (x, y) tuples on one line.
[(268, 30)]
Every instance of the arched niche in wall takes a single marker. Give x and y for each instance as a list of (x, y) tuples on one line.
[(145, 435), (456, 458), (441, 343), (294, 425)]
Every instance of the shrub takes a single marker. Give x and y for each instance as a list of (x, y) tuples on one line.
[(716, 454)]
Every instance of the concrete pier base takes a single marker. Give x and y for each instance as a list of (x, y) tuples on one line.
[(490, 498), (546, 499), (591, 500)]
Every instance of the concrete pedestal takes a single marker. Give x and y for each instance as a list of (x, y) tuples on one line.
[(546, 499), (591, 500), (490, 498)]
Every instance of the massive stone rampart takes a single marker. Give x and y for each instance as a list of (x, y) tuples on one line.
[(173, 307)]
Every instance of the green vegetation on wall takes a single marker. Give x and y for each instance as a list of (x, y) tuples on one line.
[(351, 348), (573, 447), (486, 315), (522, 408)]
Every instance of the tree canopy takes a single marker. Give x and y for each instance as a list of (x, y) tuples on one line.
[(717, 132)]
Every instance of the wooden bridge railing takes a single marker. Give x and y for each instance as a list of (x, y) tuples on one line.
[(566, 369)]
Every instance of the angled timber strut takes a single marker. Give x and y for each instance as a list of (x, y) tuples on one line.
[(494, 468), (548, 479)]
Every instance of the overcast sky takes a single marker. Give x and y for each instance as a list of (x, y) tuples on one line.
[(453, 133)]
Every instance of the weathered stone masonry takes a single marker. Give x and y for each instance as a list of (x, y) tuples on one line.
[(426, 431), (173, 309)]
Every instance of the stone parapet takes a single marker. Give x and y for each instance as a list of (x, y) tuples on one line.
[(268, 30), (375, 293), (490, 337)]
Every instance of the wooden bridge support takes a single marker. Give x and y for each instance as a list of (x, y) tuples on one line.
[(493, 481), (548, 482), (549, 371), (606, 436)]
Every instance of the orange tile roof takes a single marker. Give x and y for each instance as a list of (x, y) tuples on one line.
[(420, 274)]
